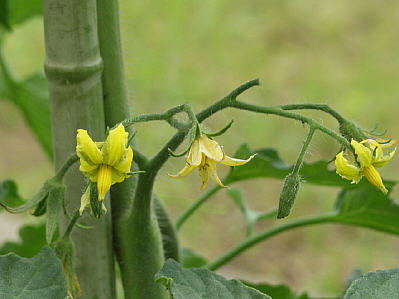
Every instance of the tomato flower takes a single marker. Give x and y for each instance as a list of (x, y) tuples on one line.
[(204, 154), (106, 162), (369, 156)]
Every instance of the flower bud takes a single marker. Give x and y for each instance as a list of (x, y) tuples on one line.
[(288, 195)]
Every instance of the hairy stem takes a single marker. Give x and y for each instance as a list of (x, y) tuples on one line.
[(73, 68)]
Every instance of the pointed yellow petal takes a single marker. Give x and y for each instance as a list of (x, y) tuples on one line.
[(91, 174), (204, 175), (104, 181), (229, 161), (345, 169), (364, 154), (374, 178), (384, 159), (195, 156), (115, 145), (125, 164), (86, 167), (87, 149), (374, 147), (184, 172), (211, 168), (211, 148)]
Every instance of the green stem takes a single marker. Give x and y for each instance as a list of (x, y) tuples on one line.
[(283, 113), (187, 213), (299, 161), (262, 236), (73, 68), (321, 107), (73, 158), (71, 224)]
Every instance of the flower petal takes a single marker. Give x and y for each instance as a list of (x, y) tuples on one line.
[(345, 169), (125, 164), (184, 172), (384, 159), (104, 181), (229, 161), (211, 148), (204, 175), (115, 145), (211, 168), (90, 174), (86, 149), (118, 177), (364, 154), (195, 156), (374, 147), (374, 178)]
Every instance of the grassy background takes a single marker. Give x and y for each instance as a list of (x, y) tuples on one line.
[(336, 52)]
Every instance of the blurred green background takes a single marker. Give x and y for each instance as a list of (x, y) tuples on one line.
[(342, 53)]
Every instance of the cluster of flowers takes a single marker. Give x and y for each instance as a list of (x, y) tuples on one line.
[(109, 162)]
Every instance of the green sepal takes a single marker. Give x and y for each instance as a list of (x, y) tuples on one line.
[(54, 208), (173, 154), (39, 197), (351, 131), (196, 132), (130, 139), (135, 172), (40, 208), (288, 195), (95, 204), (220, 132)]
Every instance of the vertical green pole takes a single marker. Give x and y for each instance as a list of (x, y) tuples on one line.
[(138, 242), (73, 68)]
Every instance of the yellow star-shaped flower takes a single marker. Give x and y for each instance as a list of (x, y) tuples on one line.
[(369, 156), (204, 154), (106, 162)]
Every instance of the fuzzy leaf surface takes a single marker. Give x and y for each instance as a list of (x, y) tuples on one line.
[(380, 284), (199, 283), (30, 278)]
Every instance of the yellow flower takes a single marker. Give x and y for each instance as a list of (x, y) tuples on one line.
[(204, 154), (369, 156), (106, 162)]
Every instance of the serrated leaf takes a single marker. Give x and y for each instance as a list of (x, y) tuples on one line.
[(39, 277), (199, 283), (276, 291), (268, 164), (368, 207), (375, 285), (192, 259), (9, 194), (32, 239)]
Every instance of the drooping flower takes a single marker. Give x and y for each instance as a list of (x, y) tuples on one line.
[(369, 156), (106, 162), (204, 154)]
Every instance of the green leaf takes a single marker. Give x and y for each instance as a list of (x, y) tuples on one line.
[(33, 238), (276, 291), (9, 194), (268, 164), (375, 285), (368, 207), (199, 283), (192, 259), (31, 97), (39, 277)]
